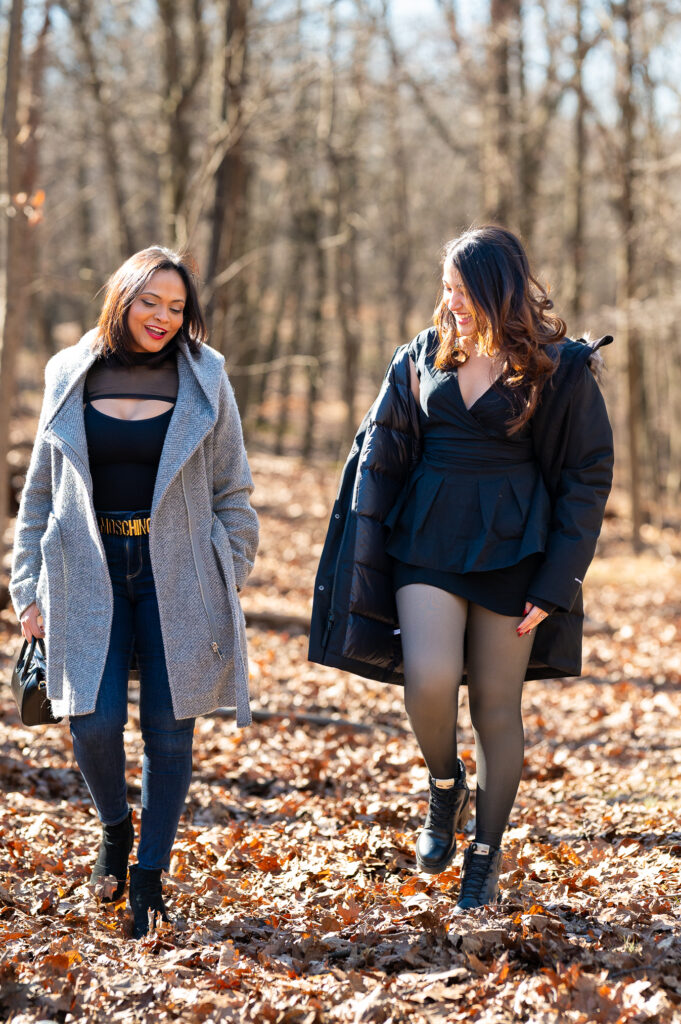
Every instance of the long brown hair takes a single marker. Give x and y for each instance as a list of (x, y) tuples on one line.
[(125, 285), (511, 309)]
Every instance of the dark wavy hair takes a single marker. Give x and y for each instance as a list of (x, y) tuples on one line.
[(123, 287), (511, 309)]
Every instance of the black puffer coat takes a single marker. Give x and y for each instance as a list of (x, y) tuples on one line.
[(354, 618)]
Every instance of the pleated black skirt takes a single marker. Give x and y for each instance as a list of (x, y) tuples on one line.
[(503, 591)]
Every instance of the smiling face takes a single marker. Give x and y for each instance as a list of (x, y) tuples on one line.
[(156, 314), (455, 298)]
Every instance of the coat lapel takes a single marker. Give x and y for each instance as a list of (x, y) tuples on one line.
[(65, 427), (194, 416)]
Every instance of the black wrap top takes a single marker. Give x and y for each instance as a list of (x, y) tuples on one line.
[(476, 500)]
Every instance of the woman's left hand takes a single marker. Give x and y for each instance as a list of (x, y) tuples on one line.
[(533, 616)]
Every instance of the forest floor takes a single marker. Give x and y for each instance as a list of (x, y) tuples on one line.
[(293, 886)]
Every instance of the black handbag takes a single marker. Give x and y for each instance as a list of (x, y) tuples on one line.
[(29, 687)]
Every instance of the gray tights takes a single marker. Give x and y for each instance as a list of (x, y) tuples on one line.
[(433, 623)]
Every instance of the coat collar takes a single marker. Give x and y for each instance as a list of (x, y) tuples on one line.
[(72, 364), (195, 413)]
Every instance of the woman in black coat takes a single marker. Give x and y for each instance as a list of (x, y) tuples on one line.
[(472, 501)]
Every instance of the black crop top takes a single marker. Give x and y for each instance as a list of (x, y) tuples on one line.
[(125, 454)]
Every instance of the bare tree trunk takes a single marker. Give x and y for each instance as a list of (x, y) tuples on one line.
[(286, 372), (575, 282), (533, 116), (86, 235), (314, 371), (626, 276), (21, 141), (529, 159), (343, 163), (80, 14), (399, 210), (673, 478), (17, 238), (180, 87), (498, 181), (227, 308), (316, 222), (273, 347)]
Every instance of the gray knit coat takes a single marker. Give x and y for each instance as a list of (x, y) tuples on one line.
[(203, 538)]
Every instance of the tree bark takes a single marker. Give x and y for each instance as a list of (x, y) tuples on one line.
[(227, 307), (626, 282), (314, 371), (181, 79), (575, 282), (80, 14), (498, 176), (400, 242), (343, 163), (21, 135)]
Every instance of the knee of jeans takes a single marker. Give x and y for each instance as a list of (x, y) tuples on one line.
[(168, 742), (96, 732)]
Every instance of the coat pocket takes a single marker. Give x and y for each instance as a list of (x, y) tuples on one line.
[(223, 553), (52, 600)]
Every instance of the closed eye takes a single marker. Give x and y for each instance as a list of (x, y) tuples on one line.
[(176, 312)]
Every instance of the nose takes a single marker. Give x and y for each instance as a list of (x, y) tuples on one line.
[(161, 314), (456, 303)]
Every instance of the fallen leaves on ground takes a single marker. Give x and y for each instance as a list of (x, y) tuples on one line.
[(293, 887)]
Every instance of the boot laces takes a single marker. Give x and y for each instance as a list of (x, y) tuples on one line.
[(441, 808), (475, 874)]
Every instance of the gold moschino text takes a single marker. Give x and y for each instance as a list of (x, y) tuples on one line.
[(124, 527)]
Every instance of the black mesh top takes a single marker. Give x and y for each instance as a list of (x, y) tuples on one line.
[(146, 377)]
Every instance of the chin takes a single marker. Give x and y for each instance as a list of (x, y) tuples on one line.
[(148, 344)]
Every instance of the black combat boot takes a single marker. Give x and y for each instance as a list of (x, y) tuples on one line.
[(146, 897), (112, 859), (479, 877), (448, 812)]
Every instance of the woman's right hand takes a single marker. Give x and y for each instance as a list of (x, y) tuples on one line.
[(31, 622)]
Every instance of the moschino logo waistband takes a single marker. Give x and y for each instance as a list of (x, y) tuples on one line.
[(124, 527)]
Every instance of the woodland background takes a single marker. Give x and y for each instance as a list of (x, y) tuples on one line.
[(314, 157)]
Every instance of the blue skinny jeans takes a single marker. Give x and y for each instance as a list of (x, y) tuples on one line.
[(98, 737)]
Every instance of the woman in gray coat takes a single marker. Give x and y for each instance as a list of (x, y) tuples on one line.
[(134, 535)]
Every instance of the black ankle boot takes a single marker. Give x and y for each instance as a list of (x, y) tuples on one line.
[(448, 812), (112, 859), (146, 894), (479, 877)]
